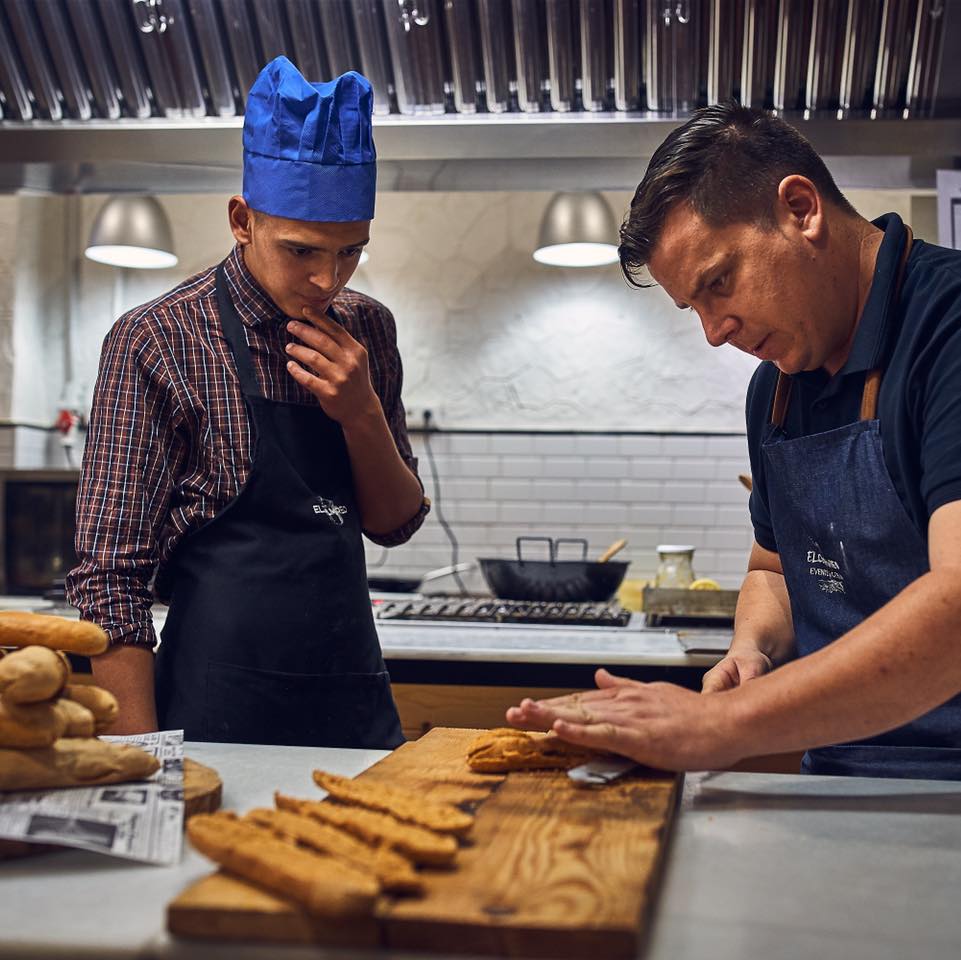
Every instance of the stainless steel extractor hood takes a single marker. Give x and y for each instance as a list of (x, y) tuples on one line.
[(471, 94)]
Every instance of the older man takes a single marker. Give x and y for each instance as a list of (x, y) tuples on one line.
[(247, 427), (853, 590)]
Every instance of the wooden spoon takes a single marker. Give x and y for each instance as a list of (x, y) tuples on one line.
[(615, 547)]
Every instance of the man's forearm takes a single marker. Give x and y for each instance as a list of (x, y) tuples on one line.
[(127, 672), (763, 617), (893, 667), (387, 491)]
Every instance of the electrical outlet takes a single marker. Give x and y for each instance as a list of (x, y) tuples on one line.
[(421, 417)]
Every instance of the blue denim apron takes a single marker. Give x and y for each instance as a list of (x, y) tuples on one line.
[(847, 547)]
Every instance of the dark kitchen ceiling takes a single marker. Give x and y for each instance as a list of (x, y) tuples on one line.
[(470, 94)]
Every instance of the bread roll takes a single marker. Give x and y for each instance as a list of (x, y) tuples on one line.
[(101, 703), (79, 720), (74, 763), (30, 724), (32, 675), (19, 629)]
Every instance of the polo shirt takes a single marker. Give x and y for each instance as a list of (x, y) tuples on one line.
[(916, 341)]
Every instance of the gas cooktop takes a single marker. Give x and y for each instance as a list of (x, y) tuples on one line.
[(491, 610)]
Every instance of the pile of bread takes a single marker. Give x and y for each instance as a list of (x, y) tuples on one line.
[(48, 725), (335, 857)]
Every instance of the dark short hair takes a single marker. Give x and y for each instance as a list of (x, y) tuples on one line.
[(726, 161)]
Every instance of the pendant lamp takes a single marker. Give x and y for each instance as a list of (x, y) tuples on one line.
[(132, 231), (577, 230)]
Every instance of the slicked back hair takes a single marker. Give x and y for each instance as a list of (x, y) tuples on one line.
[(726, 161)]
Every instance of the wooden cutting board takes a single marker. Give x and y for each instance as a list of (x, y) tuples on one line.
[(551, 869)]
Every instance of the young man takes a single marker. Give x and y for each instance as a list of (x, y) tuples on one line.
[(247, 427), (853, 427)]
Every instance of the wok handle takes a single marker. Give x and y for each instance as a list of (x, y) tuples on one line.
[(547, 540), (580, 540)]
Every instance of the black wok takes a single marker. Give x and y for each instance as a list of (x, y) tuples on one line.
[(568, 580)]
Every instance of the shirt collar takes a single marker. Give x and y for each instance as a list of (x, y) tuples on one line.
[(250, 300), (871, 340)]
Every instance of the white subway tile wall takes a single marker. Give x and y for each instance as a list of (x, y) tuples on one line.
[(650, 489)]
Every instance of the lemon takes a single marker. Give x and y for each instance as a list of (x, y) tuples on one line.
[(704, 584)]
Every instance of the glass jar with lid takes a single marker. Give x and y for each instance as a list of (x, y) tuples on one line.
[(674, 566)]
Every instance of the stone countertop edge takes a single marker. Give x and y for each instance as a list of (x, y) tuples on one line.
[(757, 865)]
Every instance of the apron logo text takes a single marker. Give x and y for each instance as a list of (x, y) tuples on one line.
[(828, 572), (327, 508)]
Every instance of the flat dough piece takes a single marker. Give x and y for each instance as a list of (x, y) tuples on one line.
[(505, 749), (391, 870), (406, 806), (418, 844), (324, 886)]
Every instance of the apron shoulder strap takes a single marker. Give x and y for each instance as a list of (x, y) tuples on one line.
[(872, 379), (782, 397), (236, 338)]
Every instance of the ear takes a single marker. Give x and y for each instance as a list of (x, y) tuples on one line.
[(800, 206), (241, 219)]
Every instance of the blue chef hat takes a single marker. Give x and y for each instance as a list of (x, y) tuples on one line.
[(308, 147)]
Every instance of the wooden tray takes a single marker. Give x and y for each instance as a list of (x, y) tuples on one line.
[(551, 869)]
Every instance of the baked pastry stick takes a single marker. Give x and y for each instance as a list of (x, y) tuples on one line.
[(393, 872), (505, 749), (418, 844), (324, 886), (404, 805)]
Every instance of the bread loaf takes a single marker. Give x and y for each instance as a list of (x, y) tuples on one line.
[(30, 724), (74, 762), (324, 886), (79, 720), (32, 675), (101, 703), (19, 629)]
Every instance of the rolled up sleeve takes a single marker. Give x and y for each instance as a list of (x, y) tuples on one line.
[(125, 487)]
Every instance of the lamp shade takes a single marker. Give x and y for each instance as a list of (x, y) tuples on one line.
[(132, 232), (577, 230)]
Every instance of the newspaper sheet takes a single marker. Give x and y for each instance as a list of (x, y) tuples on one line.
[(140, 820)]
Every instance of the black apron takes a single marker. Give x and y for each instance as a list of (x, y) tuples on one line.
[(847, 547), (270, 636)]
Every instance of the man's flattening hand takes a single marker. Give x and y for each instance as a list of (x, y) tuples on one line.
[(657, 724), (333, 366), (735, 669)]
